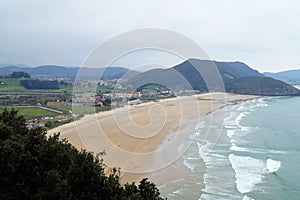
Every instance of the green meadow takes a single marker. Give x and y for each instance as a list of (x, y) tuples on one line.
[(13, 85), (30, 111)]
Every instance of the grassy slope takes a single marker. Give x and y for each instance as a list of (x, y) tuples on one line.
[(31, 111), (261, 86), (81, 109), (13, 85)]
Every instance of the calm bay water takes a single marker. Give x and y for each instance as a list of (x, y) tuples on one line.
[(256, 157)]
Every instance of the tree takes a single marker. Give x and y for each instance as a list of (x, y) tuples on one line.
[(19, 75), (145, 190), (40, 84), (34, 166)]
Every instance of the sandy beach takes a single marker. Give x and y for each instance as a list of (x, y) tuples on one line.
[(143, 140)]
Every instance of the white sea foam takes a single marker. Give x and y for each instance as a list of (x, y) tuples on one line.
[(242, 108), (217, 172), (240, 117), (219, 178), (229, 121), (260, 103), (234, 147), (192, 163), (262, 100), (230, 133), (247, 198), (248, 172), (273, 165), (245, 128), (233, 141)]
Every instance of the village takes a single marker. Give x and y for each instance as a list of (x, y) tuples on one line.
[(52, 108)]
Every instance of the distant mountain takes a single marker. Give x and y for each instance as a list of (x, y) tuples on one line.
[(236, 76), (5, 70), (54, 71), (15, 65), (290, 76)]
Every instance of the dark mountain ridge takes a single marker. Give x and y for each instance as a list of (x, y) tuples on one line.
[(193, 74), (205, 76)]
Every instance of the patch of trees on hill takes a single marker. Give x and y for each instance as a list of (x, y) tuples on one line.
[(260, 86), (19, 75), (40, 84), (236, 77), (34, 166), (16, 75)]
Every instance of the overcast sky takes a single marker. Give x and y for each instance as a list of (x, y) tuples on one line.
[(262, 33)]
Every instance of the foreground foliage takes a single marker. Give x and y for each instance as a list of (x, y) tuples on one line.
[(33, 166)]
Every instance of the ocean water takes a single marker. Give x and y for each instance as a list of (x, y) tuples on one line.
[(257, 156)]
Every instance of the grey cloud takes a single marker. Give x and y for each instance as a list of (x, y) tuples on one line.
[(64, 32)]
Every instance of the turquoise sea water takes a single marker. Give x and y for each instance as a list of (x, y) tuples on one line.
[(256, 157)]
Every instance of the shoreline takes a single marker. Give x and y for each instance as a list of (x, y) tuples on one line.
[(177, 173), (122, 136)]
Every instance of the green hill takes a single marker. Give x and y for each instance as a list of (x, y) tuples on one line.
[(205, 75), (261, 86)]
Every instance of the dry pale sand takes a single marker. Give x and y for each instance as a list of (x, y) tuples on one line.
[(142, 139)]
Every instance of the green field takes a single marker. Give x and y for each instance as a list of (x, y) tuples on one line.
[(13, 85), (62, 108), (12, 81), (81, 109), (31, 111)]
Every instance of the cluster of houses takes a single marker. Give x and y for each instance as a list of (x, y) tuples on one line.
[(110, 98), (111, 83), (159, 93), (96, 99)]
